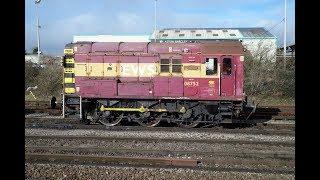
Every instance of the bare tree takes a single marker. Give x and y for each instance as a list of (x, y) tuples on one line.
[(264, 75)]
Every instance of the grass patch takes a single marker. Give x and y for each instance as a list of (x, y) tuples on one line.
[(29, 97), (272, 100)]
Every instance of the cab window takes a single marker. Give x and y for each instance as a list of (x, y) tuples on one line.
[(211, 66), (176, 65), (164, 65), (226, 69)]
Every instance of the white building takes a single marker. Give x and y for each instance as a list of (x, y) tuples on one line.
[(31, 58), (256, 40)]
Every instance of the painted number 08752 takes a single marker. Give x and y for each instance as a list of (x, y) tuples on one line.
[(191, 83)]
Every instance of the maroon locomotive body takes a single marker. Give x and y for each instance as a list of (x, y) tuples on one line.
[(183, 83)]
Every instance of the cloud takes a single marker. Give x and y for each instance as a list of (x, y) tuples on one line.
[(112, 17), (131, 23), (128, 19), (268, 23)]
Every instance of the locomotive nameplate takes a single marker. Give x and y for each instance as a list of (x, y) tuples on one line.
[(191, 67)]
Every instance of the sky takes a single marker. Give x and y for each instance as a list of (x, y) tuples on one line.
[(60, 20)]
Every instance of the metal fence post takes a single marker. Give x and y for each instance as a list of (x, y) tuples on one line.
[(80, 107), (63, 109)]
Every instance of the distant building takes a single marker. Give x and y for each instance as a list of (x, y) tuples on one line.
[(44, 59), (290, 51), (290, 54), (256, 40), (31, 58)]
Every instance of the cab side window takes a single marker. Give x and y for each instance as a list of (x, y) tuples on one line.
[(226, 67), (170, 65), (211, 66), (176, 65), (164, 65)]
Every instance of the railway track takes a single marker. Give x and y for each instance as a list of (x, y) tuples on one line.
[(39, 157), (124, 151), (240, 155), (64, 147), (141, 162), (157, 140), (285, 128)]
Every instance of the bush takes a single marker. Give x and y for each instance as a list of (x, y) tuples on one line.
[(264, 77), (48, 78), (31, 73), (50, 81)]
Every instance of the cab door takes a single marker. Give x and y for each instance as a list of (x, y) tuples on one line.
[(227, 76)]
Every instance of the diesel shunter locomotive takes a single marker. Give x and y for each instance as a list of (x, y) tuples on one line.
[(183, 83)]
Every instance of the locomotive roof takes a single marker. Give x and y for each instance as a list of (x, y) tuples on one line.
[(213, 47), (222, 47)]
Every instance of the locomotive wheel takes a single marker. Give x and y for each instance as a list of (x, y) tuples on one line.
[(112, 119), (190, 122), (148, 119)]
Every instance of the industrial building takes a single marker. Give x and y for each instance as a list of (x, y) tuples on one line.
[(256, 40)]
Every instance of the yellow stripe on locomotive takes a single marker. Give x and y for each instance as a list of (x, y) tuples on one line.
[(69, 90), (69, 80), (68, 51)]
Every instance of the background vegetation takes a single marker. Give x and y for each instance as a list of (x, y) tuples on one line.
[(268, 79), (47, 76)]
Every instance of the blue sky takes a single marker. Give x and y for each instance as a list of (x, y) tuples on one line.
[(62, 19)]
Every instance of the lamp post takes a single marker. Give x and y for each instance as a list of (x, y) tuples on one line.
[(155, 21), (285, 34), (37, 2)]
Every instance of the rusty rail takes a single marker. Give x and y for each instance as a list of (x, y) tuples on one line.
[(36, 157), (224, 153)]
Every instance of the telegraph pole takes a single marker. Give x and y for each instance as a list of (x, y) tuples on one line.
[(37, 2), (285, 34), (155, 20)]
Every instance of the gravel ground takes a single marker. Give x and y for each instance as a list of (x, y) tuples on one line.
[(67, 171), (160, 134), (40, 115)]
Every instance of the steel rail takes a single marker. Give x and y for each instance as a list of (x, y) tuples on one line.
[(137, 139), (242, 154)]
